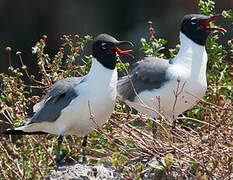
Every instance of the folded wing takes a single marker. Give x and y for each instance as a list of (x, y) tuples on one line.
[(147, 74)]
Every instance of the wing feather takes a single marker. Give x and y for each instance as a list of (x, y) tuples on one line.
[(147, 74), (58, 97)]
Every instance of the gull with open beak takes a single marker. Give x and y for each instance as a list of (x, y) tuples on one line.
[(76, 105), (153, 82)]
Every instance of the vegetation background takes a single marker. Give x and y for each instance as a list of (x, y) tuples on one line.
[(204, 136)]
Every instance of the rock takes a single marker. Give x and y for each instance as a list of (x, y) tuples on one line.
[(83, 172), (152, 171)]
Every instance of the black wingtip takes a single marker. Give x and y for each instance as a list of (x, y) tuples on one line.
[(20, 132)]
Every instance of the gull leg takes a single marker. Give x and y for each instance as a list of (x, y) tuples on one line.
[(59, 141), (84, 144), (173, 131), (154, 130)]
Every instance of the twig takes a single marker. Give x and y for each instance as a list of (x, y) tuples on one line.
[(36, 164), (177, 93), (45, 149), (23, 65), (12, 160), (193, 119), (92, 118), (140, 99), (131, 82)]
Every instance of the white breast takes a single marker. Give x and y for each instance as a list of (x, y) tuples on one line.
[(96, 96)]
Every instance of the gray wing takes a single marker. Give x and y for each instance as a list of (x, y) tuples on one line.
[(147, 74), (58, 97)]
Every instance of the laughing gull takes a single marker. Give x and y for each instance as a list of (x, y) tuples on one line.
[(68, 105), (158, 86)]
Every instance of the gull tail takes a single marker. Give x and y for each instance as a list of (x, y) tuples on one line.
[(21, 132)]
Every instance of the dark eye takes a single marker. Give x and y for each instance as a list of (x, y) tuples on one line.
[(104, 46), (194, 20)]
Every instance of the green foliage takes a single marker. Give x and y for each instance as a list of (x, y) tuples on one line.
[(228, 14), (153, 47), (167, 162), (206, 7)]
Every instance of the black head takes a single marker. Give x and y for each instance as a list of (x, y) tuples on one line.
[(105, 50), (196, 27)]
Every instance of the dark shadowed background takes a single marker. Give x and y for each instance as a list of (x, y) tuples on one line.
[(23, 22)]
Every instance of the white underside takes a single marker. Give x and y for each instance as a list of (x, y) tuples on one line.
[(98, 90), (163, 100), (190, 65)]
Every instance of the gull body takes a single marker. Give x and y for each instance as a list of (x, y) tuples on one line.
[(95, 94), (189, 66), (76, 105), (158, 87)]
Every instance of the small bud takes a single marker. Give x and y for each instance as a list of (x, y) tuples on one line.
[(204, 139), (76, 37), (143, 40), (178, 79), (34, 50), (5, 79), (32, 77), (152, 38), (24, 67), (231, 74), (8, 49), (150, 22), (55, 79), (222, 101), (45, 37), (73, 49), (69, 66), (42, 40), (151, 29), (92, 116), (10, 68), (62, 49), (18, 53)]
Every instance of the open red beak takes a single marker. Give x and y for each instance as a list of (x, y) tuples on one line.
[(121, 52), (205, 24)]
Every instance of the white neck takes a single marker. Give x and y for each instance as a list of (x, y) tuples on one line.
[(191, 55), (101, 75)]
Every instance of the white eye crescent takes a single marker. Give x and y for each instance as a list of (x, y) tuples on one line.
[(194, 20), (104, 46)]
